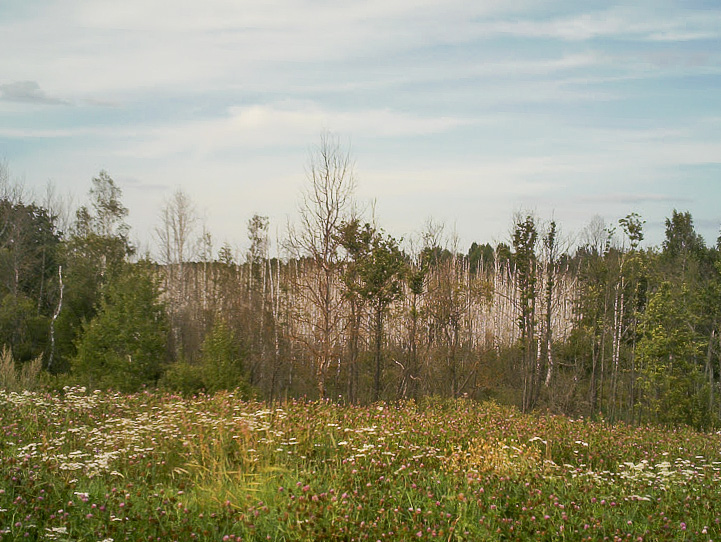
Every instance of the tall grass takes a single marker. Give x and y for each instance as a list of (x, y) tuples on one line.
[(14, 378), (100, 466)]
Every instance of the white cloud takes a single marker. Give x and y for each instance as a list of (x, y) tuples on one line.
[(93, 48), (266, 126), (112, 51), (27, 91), (493, 101), (631, 199), (637, 23)]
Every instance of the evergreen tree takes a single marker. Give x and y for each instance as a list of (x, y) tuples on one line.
[(222, 361), (123, 346)]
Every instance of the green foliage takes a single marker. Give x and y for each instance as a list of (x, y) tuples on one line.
[(28, 270), (95, 251), (184, 378), (123, 346), (22, 329), (668, 352), (374, 275), (434, 255), (503, 255), (525, 259), (222, 361), (632, 226), (480, 257), (644, 342), (525, 237), (377, 267), (682, 241), (106, 215), (28, 252), (221, 366), (416, 278)]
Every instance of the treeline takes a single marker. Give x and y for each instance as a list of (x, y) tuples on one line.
[(600, 327)]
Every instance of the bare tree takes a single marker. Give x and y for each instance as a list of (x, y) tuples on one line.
[(178, 218), (326, 201), (257, 294), (60, 207), (11, 190), (177, 247)]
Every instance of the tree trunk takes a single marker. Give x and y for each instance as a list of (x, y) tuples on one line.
[(378, 353), (51, 357)]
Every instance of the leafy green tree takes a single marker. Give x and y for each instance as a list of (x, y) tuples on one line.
[(28, 251), (632, 225), (591, 333), (124, 345), (355, 241), (525, 238), (222, 361), (96, 249), (100, 233), (221, 366), (668, 352), (682, 242), (22, 329), (28, 269), (711, 329), (106, 215), (480, 257), (629, 282), (375, 275), (416, 274), (690, 266)]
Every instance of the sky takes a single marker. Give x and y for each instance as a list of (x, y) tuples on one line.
[(456, 111)]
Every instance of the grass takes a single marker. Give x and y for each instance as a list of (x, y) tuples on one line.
[(151, 466)]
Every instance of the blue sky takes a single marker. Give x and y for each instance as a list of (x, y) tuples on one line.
[(464, 112)]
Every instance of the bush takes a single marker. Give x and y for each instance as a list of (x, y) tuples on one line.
[(222, 361), (184, 378), (220, 367)]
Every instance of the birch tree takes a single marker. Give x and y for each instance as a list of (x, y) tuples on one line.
[(176, 246)]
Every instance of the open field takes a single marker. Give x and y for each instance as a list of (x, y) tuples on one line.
[(103, 466)]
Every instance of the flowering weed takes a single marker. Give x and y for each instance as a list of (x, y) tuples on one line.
[(150, 466)]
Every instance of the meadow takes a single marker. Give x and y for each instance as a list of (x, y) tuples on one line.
[(80, 465)]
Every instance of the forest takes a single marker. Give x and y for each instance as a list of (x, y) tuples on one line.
[(601, 327)]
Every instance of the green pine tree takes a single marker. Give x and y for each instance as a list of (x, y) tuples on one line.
[(124, 345)]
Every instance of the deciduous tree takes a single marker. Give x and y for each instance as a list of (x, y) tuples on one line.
[(326, 202)]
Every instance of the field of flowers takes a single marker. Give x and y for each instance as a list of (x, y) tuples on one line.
[(151, 466)]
